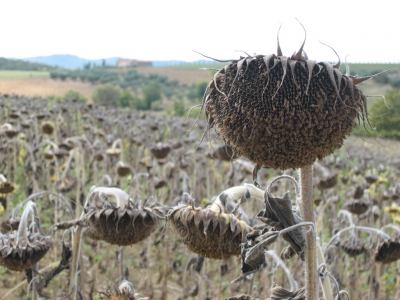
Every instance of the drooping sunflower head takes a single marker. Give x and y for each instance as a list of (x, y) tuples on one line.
[(21, 246), (66, 184), (388, 251), (47, 127), (122, 222), (6, 186), (283, 112), (211, 232)]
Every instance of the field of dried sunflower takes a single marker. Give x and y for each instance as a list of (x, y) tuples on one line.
[(101, 203)]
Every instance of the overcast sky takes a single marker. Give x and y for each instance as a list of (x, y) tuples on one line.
[(171, 29)]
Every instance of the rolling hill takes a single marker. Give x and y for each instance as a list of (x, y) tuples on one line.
[(70, 61)]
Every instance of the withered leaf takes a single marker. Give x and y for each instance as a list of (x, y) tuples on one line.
[(280, 210), (279, 293)]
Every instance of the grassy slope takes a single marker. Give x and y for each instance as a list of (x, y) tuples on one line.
[(22, 74)]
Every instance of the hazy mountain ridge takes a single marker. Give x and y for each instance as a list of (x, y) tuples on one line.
[(70, 61)]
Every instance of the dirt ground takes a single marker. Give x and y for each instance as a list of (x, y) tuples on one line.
[(44, 86)]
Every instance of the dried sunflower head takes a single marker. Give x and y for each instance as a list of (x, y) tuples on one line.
[(122, 222), (388, 251), (123, 169), (20, 249), (159, 183), (67, 145), (65, 184), (6, 186), (328, 182), (210, 232), (353, 246), (9, 130), (113, 152), (357, 207), (160, 150), (49, 155), (283, 112), (393, 209), (47, 127), (371, 178)]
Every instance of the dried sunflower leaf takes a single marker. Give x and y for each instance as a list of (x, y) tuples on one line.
[(279, 293), (99, 212), (121, 212), (223, 227), (208, 215), (253, 253), (280, 210), (197, 219), (184, 216), (232, 223)]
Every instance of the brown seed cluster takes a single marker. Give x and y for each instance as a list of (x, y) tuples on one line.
[(18, 258), (208, 233), (281, 112)]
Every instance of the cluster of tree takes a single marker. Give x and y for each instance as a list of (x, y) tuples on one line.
[(111, 95), (131, 80), (21, 65), (384, 117), (391, 78), (69, 95)]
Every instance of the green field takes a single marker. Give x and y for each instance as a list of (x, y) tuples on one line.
[(22, 74)]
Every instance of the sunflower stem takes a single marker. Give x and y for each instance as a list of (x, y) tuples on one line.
[(307, 214), (325, 282), (76, 249), (22, 237), (35, 280)]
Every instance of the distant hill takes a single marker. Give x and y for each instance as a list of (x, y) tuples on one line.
[(70, 61), (20, 65)]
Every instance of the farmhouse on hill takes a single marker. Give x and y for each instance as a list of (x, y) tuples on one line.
[(125, 62)]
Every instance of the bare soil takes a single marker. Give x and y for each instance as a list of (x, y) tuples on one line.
[(44, 86)]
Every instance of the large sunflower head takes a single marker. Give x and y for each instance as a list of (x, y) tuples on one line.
[(283, 112)]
